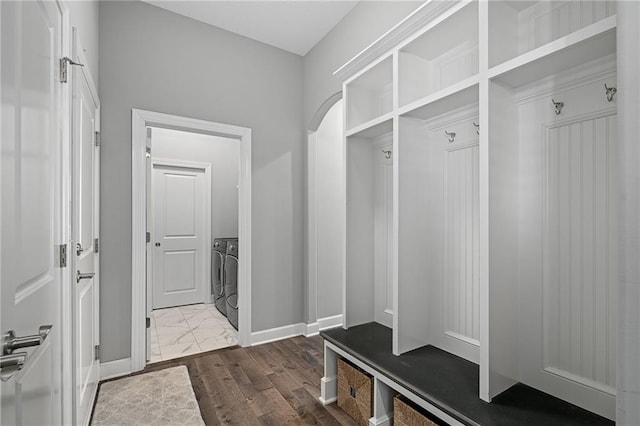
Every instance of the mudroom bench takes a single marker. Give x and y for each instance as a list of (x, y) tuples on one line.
[(442, 384)]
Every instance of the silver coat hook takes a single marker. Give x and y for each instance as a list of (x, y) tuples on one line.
[(477, 126), (387, 154), (558, 106), (452, 136), (610, 91)]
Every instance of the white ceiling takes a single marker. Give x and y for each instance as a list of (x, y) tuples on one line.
[(292, 25)]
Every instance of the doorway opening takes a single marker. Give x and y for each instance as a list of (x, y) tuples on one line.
[(192, 216), (191, 186)]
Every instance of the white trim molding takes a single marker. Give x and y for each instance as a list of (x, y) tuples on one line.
[(330, 322), (314, 328), (117, 368), (277, 333), (140, 120), (431, 13)]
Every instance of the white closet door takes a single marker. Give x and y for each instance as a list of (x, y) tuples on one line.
[(31, 210), (179, 227)]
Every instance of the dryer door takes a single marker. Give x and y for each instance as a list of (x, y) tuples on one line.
[(231, 289)]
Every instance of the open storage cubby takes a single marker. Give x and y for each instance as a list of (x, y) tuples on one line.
[(370, 95), (490, 237), (519, 27), (369, 221), (438, 235), (441, 57), (554, 199)]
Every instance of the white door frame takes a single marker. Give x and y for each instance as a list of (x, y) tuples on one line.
[(140, 119), (206, 168)]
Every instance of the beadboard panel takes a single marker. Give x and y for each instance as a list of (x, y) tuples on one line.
[(567, 243), (461, 242), (447, 174), (383, 229), (547, 21), (579, 289)]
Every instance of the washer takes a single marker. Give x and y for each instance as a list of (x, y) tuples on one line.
[(218, 252), (231, 282)]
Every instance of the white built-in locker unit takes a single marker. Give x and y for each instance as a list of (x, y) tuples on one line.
[(481, 191)]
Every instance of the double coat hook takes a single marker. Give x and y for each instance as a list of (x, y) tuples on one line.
[(610, 92), (452, 136), (558, 106)]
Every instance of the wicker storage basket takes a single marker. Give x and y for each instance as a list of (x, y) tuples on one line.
[(406, 414), (355, 392)]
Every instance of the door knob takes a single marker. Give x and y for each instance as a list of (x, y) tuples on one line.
[(157, 244), (10, 342), (84, 276)]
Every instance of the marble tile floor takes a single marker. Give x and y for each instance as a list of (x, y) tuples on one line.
[(187, 330)]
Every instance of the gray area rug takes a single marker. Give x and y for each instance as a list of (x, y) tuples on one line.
[(162, 397)]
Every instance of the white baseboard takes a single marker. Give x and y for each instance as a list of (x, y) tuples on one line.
[(292, 330), (117, 368), (330, 322), (314, 328), (311, 329), (278, 333), (381, 421)]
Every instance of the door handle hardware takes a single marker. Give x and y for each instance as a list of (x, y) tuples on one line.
[(157, 244), (79, 249), (84, 276), (10, 342), (11, 364)]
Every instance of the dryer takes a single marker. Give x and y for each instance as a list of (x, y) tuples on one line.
[(231, 282), (218, 253)]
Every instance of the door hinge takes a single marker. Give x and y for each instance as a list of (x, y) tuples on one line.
[(64, 68), (148, 237), (97, 352), (148, 322), (98, 139), (96, 245), (62, 255)]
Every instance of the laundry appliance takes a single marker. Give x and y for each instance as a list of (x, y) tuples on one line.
[(218, 253), (231, 282)]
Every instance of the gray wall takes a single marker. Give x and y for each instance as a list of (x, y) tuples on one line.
[(361, 27), (156, 60), (84, 15), (223, 154), (358, 29)]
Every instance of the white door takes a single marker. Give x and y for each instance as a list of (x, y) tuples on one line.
[(180, 221), (85, 228), (31, 210)]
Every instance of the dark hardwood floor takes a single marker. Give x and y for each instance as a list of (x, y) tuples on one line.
[(272, 384)]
